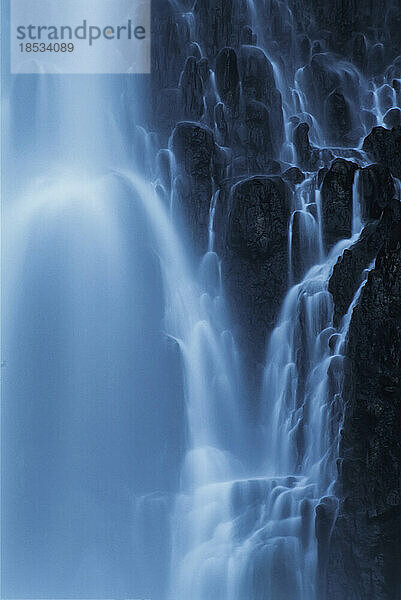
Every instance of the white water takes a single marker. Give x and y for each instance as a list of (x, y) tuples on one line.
[(252, 535), (356, 206)]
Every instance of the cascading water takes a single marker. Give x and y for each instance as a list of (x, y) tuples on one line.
[(154, 465), (89, 382)]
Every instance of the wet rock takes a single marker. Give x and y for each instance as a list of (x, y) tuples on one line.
[(307, 155), (392, 118), (273, 167), (255, 135), (376, 59), (167, 105), (321, 175), (204, 71), (326, 512), (194, 50), (317, 48), (368, 119), (194, 150), (360, 52), (255, 265), (191, 88), (248, 38), (294, 176), (219, 23), (227, 76), (338, 118), (258, 83), (394, 70), (385, 98), (222, 129), (336, 199), (384, 146), (348, 272), (365, 549), (304, 49), (170, 36), (326, 76), (258, 219), (393, 26), (376, 190)]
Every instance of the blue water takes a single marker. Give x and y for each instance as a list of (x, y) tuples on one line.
[(91, 386)]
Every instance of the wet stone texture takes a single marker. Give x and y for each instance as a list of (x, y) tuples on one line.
[(365, 556)]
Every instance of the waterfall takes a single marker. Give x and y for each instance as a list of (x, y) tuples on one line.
[(90, 382), (150, 451)]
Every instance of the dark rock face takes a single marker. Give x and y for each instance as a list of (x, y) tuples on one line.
[(258, 83), (392, 118), (365, 557), (294, 176), (227, 76), (220, 23), (307, 156), (347, 273), (337, 202), (256, 256), (384, 146), (191, 88), (194, 150), (360, 52), (338, 117), (376, 190), (326, 513)]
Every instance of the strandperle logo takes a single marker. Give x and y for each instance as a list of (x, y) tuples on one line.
[(80, 36), (91, 33)]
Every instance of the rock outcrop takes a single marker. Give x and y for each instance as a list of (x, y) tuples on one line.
[(365, 556), (194, 150), (348, 272), (255, 264), (337, 202), (384, 146)]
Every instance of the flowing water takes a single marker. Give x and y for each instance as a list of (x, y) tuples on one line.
[(132, 465)]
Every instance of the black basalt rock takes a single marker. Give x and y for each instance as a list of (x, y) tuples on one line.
[(360, 52), (348, 272), (307, 156), (258, 83), (336, 199), (258, 218), (338, 118), (191, 87), (384, 146), (365, 550), (377, 189), (256, 257), (256, 134), (220, 23), (294, 176), (227, 76), (392, 118), (194, 150), (326, 512)]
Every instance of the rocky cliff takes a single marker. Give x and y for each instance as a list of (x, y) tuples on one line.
[(244, 105)]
